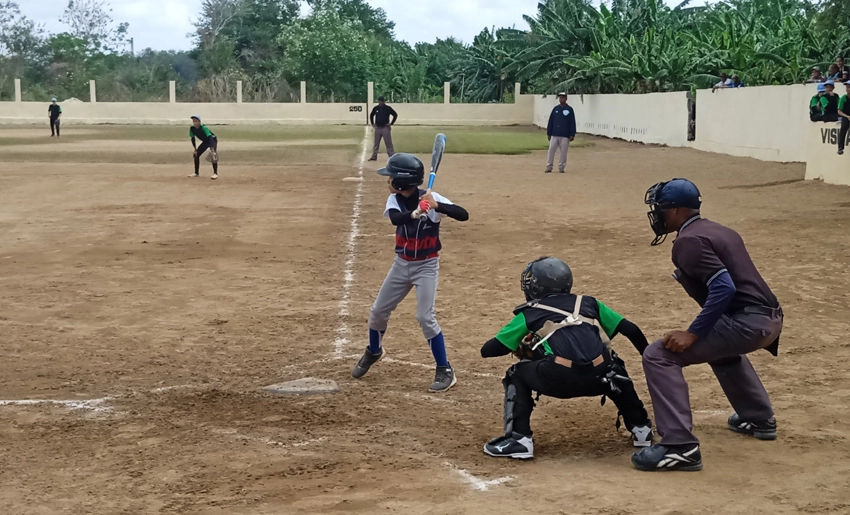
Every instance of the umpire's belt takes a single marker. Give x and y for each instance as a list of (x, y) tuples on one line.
[(761, 310), (570, 364)]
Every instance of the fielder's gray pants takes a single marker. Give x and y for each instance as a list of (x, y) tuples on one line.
[(403, 276), (385, 132), (723, 349), (555, 144)]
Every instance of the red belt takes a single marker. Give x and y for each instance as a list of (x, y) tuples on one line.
[(429, 256)]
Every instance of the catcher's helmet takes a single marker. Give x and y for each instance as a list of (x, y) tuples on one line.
[(406, 170), (546, 276), (669, 195)]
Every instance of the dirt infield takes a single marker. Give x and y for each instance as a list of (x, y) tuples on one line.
[(156, 306)]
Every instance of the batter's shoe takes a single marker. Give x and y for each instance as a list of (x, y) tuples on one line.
[(674, 457), (214, 176), (764, 430), (642, 435), (560, 171), (516, 446), (366, 363), (373, 159), (193, 175), (444, 379), (548, 170)]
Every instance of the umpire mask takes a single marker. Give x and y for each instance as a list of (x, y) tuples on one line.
[(669, 195)]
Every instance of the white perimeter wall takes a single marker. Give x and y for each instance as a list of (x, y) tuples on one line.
[(518, 113), (659, 118), (769, 123)]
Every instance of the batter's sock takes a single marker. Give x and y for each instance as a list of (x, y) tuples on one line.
[(375, 338), (438, 349)]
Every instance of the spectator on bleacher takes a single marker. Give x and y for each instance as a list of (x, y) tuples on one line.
[(817, 76), (833, 73), (736, 82), (724, 82), (815, 107), (829, 103)]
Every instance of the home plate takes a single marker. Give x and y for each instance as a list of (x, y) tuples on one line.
[(307, 385)]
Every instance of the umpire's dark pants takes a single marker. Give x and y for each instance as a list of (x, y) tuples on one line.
[(842, 134), (723, 348), (549, 378)]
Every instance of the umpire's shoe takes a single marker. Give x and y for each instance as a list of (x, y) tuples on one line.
[(444, 379), (764, 430), (674, 457), (515, 446), (366, 363)]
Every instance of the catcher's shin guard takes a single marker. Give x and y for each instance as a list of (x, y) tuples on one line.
[(510, 402)]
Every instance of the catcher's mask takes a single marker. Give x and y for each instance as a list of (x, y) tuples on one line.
[(669, 195), (546, 276), (406, 171)]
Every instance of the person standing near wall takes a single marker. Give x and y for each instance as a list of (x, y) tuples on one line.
[(560, 131), (54, 113), (380, 119), (844, 113), (829, 103)]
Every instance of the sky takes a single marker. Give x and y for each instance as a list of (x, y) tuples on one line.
[(164, 24)]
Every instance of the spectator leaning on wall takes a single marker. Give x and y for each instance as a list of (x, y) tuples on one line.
[(724, 82), (736, 82), (833, 73), (817, 76), (842, 68)]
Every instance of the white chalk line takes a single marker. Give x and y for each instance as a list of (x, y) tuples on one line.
[(482, 485), (343, 330), (236, 435), (95, 405)]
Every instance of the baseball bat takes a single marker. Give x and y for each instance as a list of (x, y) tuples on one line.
[(436, 158)]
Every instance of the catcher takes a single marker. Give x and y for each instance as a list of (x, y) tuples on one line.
[(563, 342)]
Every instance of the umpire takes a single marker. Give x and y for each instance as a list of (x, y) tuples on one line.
[(380, 118), (739, 315)]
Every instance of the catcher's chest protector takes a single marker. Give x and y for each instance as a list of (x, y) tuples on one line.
[(571, 319)]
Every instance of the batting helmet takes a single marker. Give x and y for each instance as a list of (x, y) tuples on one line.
[(546, 276), (669, 195), (406, 170)]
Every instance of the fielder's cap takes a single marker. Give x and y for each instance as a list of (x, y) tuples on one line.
[(822, 87), (195, 117), (829, 83), (53, 99)]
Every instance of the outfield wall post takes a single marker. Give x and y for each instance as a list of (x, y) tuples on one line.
[(303, 92), (517, 87), (17, 90), (92, 92), (172, 92), (238, 91), (447, 92)]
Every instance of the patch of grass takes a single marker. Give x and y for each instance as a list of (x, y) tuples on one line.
[(476, 140)]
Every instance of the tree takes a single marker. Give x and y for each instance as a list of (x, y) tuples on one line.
[(91, 20), (371, 19)]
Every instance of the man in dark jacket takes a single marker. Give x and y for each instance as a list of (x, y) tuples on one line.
[(561, 131), (380, 119)]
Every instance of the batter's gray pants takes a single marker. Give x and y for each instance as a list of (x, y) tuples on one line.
[(385, 132), (403, 276), (555, 144), (723, 349)]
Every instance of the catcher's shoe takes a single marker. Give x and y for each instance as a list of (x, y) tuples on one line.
[(444, 379), (764, 430), (674, 457), (642, 435), (366, 363), (214, 176), (516, 446)]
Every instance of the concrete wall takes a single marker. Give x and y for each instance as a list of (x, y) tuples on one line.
[(659, 118), (165, 113), (823, 162), (768, 123), (518, 113)]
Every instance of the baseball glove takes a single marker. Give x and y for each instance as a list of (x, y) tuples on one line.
[(524, 351), (212, 156)]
